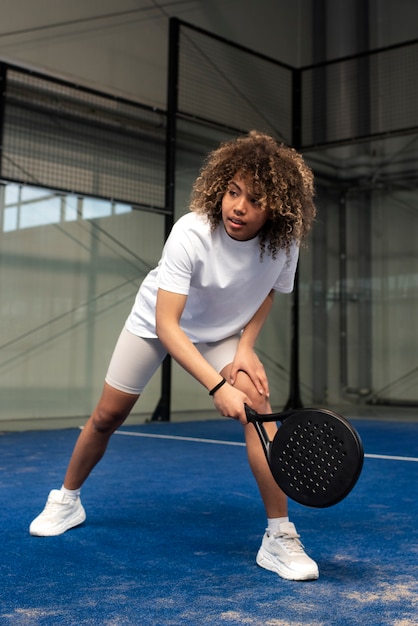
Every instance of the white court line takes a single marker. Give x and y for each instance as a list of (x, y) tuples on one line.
[(391, 458), (198, 439), (237, 443)]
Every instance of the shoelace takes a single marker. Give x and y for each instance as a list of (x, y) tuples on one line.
[(52, 506), (290, 542)]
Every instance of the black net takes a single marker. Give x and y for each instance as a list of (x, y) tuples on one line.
[(367, 96), (227, 85), (62, 137)]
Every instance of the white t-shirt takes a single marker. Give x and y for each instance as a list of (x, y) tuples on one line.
[(224, 279)]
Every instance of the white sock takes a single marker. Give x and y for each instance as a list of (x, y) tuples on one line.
[(71, 493), (273, 523)]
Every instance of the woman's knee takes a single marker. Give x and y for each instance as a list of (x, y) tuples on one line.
[(112, 409), (105, 421), (259, 402)]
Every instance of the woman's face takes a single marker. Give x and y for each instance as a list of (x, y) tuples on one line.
[(242, 216)]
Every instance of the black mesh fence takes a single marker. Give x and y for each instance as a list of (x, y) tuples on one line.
[(63, 137), (231, 86), (359, 98), (353, 99)]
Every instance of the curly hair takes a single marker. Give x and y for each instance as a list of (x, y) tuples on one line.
[(274, 173)]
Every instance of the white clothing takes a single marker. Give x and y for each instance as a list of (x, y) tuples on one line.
[(225, 280), (135, 359)]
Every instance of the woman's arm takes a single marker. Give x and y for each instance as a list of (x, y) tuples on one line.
[(169, 309), (245, 357), (228, 400)]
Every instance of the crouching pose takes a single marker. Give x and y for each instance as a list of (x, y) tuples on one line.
[(251, 208)]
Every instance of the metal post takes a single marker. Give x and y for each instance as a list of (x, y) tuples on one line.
[(162, 410), (3, 83), (294, 400)]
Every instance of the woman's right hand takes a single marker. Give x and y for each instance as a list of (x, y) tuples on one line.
[(229, 402)]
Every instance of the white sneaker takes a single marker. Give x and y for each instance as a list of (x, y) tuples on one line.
[(60, 514), (283, 553)]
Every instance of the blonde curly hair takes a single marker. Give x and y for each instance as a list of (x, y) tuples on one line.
[(274, 173)]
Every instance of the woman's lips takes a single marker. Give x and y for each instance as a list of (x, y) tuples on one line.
[(236, 222)]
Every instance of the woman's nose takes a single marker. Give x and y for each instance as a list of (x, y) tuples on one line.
[(240, 205)]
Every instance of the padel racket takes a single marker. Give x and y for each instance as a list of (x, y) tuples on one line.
[(316, 455)]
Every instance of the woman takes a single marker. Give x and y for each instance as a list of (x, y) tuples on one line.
[(205, 304)]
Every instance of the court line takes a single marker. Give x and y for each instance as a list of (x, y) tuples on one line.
[(386, 457), (178, 438)]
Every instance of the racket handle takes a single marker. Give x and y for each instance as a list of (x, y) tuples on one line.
[(253, 416)]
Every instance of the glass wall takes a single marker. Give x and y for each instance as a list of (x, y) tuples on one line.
[(69, 270), (362, 303)]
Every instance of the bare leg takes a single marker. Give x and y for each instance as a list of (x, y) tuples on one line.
[(62, 510), (275, 501), (111, 411)]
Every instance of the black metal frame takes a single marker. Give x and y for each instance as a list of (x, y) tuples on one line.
[(162, 410), (6, 70), (3, 83)]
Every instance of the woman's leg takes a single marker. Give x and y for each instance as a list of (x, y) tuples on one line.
[(63, 510), (133, 363), (281, 550), (111, 411), (275, 501)]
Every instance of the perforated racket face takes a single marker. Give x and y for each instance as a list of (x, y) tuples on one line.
[(316, 457)]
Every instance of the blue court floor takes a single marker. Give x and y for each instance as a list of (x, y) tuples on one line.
[(173, 525)]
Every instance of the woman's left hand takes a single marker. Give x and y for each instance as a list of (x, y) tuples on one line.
[(246, 360)]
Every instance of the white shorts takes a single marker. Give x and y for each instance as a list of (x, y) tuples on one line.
[(135, 359)]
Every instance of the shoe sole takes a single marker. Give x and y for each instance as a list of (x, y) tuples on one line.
[(263, 560), (60, 530)]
